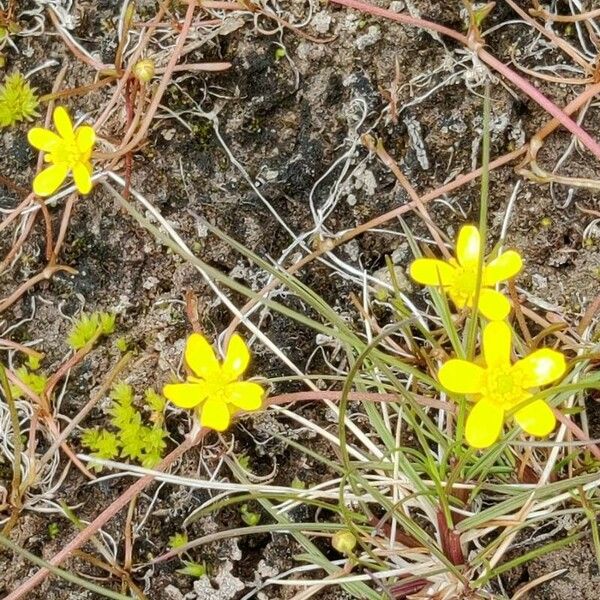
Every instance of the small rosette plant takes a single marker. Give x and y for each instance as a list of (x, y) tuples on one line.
[(213, 389)]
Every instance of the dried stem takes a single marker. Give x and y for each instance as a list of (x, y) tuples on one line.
[(108, 513), (490, 60)]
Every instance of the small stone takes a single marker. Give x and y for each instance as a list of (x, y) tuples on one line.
[(168, 134), (539, 281), (401, 280), (150, 282), (370, 38), (352, 250), (397, 6), (321, 22), (172, 593)]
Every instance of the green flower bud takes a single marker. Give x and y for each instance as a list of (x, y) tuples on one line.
[(143, 70), (344, 541)]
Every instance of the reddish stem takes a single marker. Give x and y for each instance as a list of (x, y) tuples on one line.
[(108, 513), (491, 61), (450, 541)]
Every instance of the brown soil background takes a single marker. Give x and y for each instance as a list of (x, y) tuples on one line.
[(286, 120)]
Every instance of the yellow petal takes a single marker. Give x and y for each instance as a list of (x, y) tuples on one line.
[(237, 358), (63, 123), (82, 177), (245, 395), (185, 395), (504, 267), (493, 305), (460, 300), (430, 271), (85, 137), (484, 424), (497, 344), (468, 245), (200, 357), (43, 139), (461, 376), (540, 368), (536, 418), (215, 415), (49, 180)]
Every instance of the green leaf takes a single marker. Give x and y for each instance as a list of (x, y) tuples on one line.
[(103, 444), (33, 362), (35, 382), (249, 517), (156, 403), (107, 322), (193, 569), (132, 440), (122, 344), (178, 540), (87, 327), (53, 530), (122, 393), (18, 101), (298, 484)]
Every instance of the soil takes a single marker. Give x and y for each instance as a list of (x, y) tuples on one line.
[(286, 117)]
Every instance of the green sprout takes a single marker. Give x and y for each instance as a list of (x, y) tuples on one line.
[(178, 540), (53, 530), (18, 101), (193, 569), (134, 437), (249, 517), (88, 327)]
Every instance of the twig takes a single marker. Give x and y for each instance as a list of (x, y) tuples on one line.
[(44, 275), (355, 396), (490, 60), (15, 491), (108, 513)]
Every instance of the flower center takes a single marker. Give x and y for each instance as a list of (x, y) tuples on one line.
[(503, 387), (68, 153), (215, 388), (465, 283)]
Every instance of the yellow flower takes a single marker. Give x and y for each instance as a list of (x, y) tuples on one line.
[(214, 389), (500, 386), (458, 277), (69, 150)]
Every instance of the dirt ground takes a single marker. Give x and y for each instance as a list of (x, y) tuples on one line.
[(286, 117)]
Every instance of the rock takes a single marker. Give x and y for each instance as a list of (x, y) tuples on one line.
[(372, 36), (321, 22)]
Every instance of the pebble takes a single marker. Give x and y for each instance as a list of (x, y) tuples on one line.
[(321, 22), (370, 38)]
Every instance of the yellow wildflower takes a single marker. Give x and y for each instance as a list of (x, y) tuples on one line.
[(499, 386), (69, 150), (214, 389), (458, 277)]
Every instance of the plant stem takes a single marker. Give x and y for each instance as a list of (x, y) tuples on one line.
[(491, 61), (15, 492), (83, 536), (36, 560)]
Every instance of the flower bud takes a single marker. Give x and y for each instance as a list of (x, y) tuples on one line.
[(344, 541), (143, 70)]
